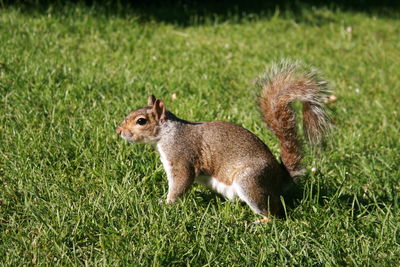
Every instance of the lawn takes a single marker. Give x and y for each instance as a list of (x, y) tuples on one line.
[(74, 193)]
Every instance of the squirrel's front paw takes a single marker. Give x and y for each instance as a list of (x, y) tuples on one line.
[(170, 200)]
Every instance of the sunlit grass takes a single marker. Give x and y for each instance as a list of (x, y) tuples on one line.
[(72, 192)]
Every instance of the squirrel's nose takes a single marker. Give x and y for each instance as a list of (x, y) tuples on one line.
[(118, 130)]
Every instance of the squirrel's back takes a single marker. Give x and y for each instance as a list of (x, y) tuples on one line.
[(234, 142)]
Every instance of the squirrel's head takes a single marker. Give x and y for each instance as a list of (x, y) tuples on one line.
[(143, 125)]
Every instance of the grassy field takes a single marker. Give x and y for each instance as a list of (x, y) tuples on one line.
[(73, 192)]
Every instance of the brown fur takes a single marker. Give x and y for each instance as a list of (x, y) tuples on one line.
[(278, 91), (235, 159)]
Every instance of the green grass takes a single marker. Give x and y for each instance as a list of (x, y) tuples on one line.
[(72, 192)]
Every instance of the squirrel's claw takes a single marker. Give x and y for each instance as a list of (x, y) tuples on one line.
[(264, 220)]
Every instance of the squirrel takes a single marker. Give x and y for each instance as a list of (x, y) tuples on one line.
[(228, 158)]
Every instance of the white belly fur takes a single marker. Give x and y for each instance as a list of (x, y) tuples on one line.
[(228, 191), (167, 166)]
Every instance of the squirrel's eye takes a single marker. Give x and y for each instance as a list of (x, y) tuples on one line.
[(141, 121)]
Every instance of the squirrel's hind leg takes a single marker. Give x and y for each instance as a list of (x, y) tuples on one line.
[(271, 208), (266, 206), (257, 197)]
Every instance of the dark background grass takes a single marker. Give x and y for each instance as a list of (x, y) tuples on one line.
[(189, 13)]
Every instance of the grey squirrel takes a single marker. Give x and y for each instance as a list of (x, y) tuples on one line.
[(226, 157)]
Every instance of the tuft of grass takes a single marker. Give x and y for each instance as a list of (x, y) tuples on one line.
[(73, 193)]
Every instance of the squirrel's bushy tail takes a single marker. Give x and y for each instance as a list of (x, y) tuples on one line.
[(282, 84)]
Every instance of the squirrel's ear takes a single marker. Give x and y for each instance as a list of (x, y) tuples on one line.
[(159, 110), (150, 100)]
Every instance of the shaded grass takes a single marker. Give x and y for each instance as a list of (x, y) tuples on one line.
[(73, 193)]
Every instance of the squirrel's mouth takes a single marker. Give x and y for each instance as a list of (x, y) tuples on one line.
[(135, 137), (128, 137), (124, 134)]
